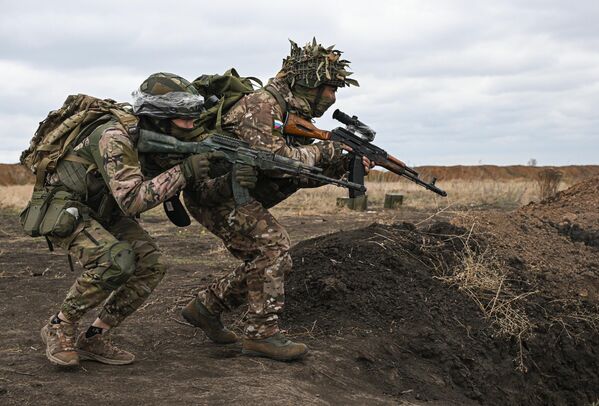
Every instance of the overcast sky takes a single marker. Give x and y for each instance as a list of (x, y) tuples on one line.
[(443, 82)]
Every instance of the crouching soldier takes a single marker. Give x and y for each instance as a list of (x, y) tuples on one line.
[(306, 85), (90, 197)]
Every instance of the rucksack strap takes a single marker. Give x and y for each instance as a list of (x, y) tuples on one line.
[(278, 96)]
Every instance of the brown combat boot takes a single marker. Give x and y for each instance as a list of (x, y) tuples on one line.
[(197, 314), (277, 347), (60, 343), (100, 348)]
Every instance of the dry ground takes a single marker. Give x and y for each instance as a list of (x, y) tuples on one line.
[(411, 331), (175, 363)]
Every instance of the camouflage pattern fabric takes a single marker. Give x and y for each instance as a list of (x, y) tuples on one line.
[(313, 65), (112, 149), (163, 82), (253, 235), (124, 285), (250, 232), (89, 245), (253, 119)]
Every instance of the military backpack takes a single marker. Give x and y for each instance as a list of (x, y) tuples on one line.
[(55, 211), (57, 133), (228, 89)]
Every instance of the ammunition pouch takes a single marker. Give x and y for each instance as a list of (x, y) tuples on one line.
[(52, 212)]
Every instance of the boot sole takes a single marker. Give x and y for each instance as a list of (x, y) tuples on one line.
[(84, 355), (192, 321), (251, 353), (53, 359)]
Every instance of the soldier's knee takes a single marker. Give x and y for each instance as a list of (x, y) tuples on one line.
[(121, 260)]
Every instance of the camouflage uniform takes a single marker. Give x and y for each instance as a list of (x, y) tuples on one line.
[(119, 257), (250, 232)]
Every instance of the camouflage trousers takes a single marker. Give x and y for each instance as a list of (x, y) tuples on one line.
[(253, 235), (90, 245)]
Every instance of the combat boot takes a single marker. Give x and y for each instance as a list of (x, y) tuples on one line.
[(197, 314), (60, 343), (99, 348), (276, 347)]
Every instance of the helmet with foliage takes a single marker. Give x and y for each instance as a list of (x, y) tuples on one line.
[(166, 95), (314, 65)]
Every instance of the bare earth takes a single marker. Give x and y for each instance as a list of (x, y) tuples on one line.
[(410, 310), (175, 363)]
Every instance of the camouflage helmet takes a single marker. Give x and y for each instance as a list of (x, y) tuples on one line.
[(166, 95), (314, 65)]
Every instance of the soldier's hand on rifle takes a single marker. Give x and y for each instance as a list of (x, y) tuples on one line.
[(329, 151), (368, 164), (197, 167), (245, 175)]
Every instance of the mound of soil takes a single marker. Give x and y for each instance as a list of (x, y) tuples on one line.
[(416, 333)]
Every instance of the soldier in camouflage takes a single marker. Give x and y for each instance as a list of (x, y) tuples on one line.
[(122, 262), (306, 85)]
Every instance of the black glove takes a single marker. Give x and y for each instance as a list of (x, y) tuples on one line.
[(245, 175), (197, 167)]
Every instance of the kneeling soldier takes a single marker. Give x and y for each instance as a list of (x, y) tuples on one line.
[(102, 174)]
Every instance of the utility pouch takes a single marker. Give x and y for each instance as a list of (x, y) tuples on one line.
[(51, 212), (33, 214), (62, 215)]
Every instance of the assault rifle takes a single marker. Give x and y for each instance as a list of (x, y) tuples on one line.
[(358, 137), (236, 152)]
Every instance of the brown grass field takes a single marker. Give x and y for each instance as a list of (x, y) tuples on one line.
[(461, 194), (479, 298)]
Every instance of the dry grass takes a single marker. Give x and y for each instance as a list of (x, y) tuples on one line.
[(461, 194), (483, 276), (15, 196), (548, 181)]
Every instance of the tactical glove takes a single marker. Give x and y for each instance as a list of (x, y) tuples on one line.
[(197, 167), (329, 151), (245, 175)]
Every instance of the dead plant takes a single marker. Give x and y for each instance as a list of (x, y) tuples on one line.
[(548, 181), (483, 277)]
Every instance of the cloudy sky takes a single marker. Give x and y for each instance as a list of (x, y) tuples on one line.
[(443, 82)]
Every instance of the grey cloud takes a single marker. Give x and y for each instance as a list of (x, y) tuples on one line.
[(443, 82)]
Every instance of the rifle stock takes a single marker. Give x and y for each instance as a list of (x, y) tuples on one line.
[(295, 125)]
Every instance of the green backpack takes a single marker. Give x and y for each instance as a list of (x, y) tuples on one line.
[(58, 132), (229, 88)]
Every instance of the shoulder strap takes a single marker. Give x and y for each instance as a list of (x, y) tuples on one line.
[(277, 95)]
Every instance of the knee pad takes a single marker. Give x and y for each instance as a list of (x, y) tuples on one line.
[(122, 265)]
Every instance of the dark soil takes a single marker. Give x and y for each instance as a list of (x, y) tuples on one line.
[(422, 338), (376, 303)]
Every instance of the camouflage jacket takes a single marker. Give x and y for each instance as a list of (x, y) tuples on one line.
[(258, 119), (113, 155)]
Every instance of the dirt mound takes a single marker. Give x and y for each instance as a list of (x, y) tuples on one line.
[(492, 312)]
